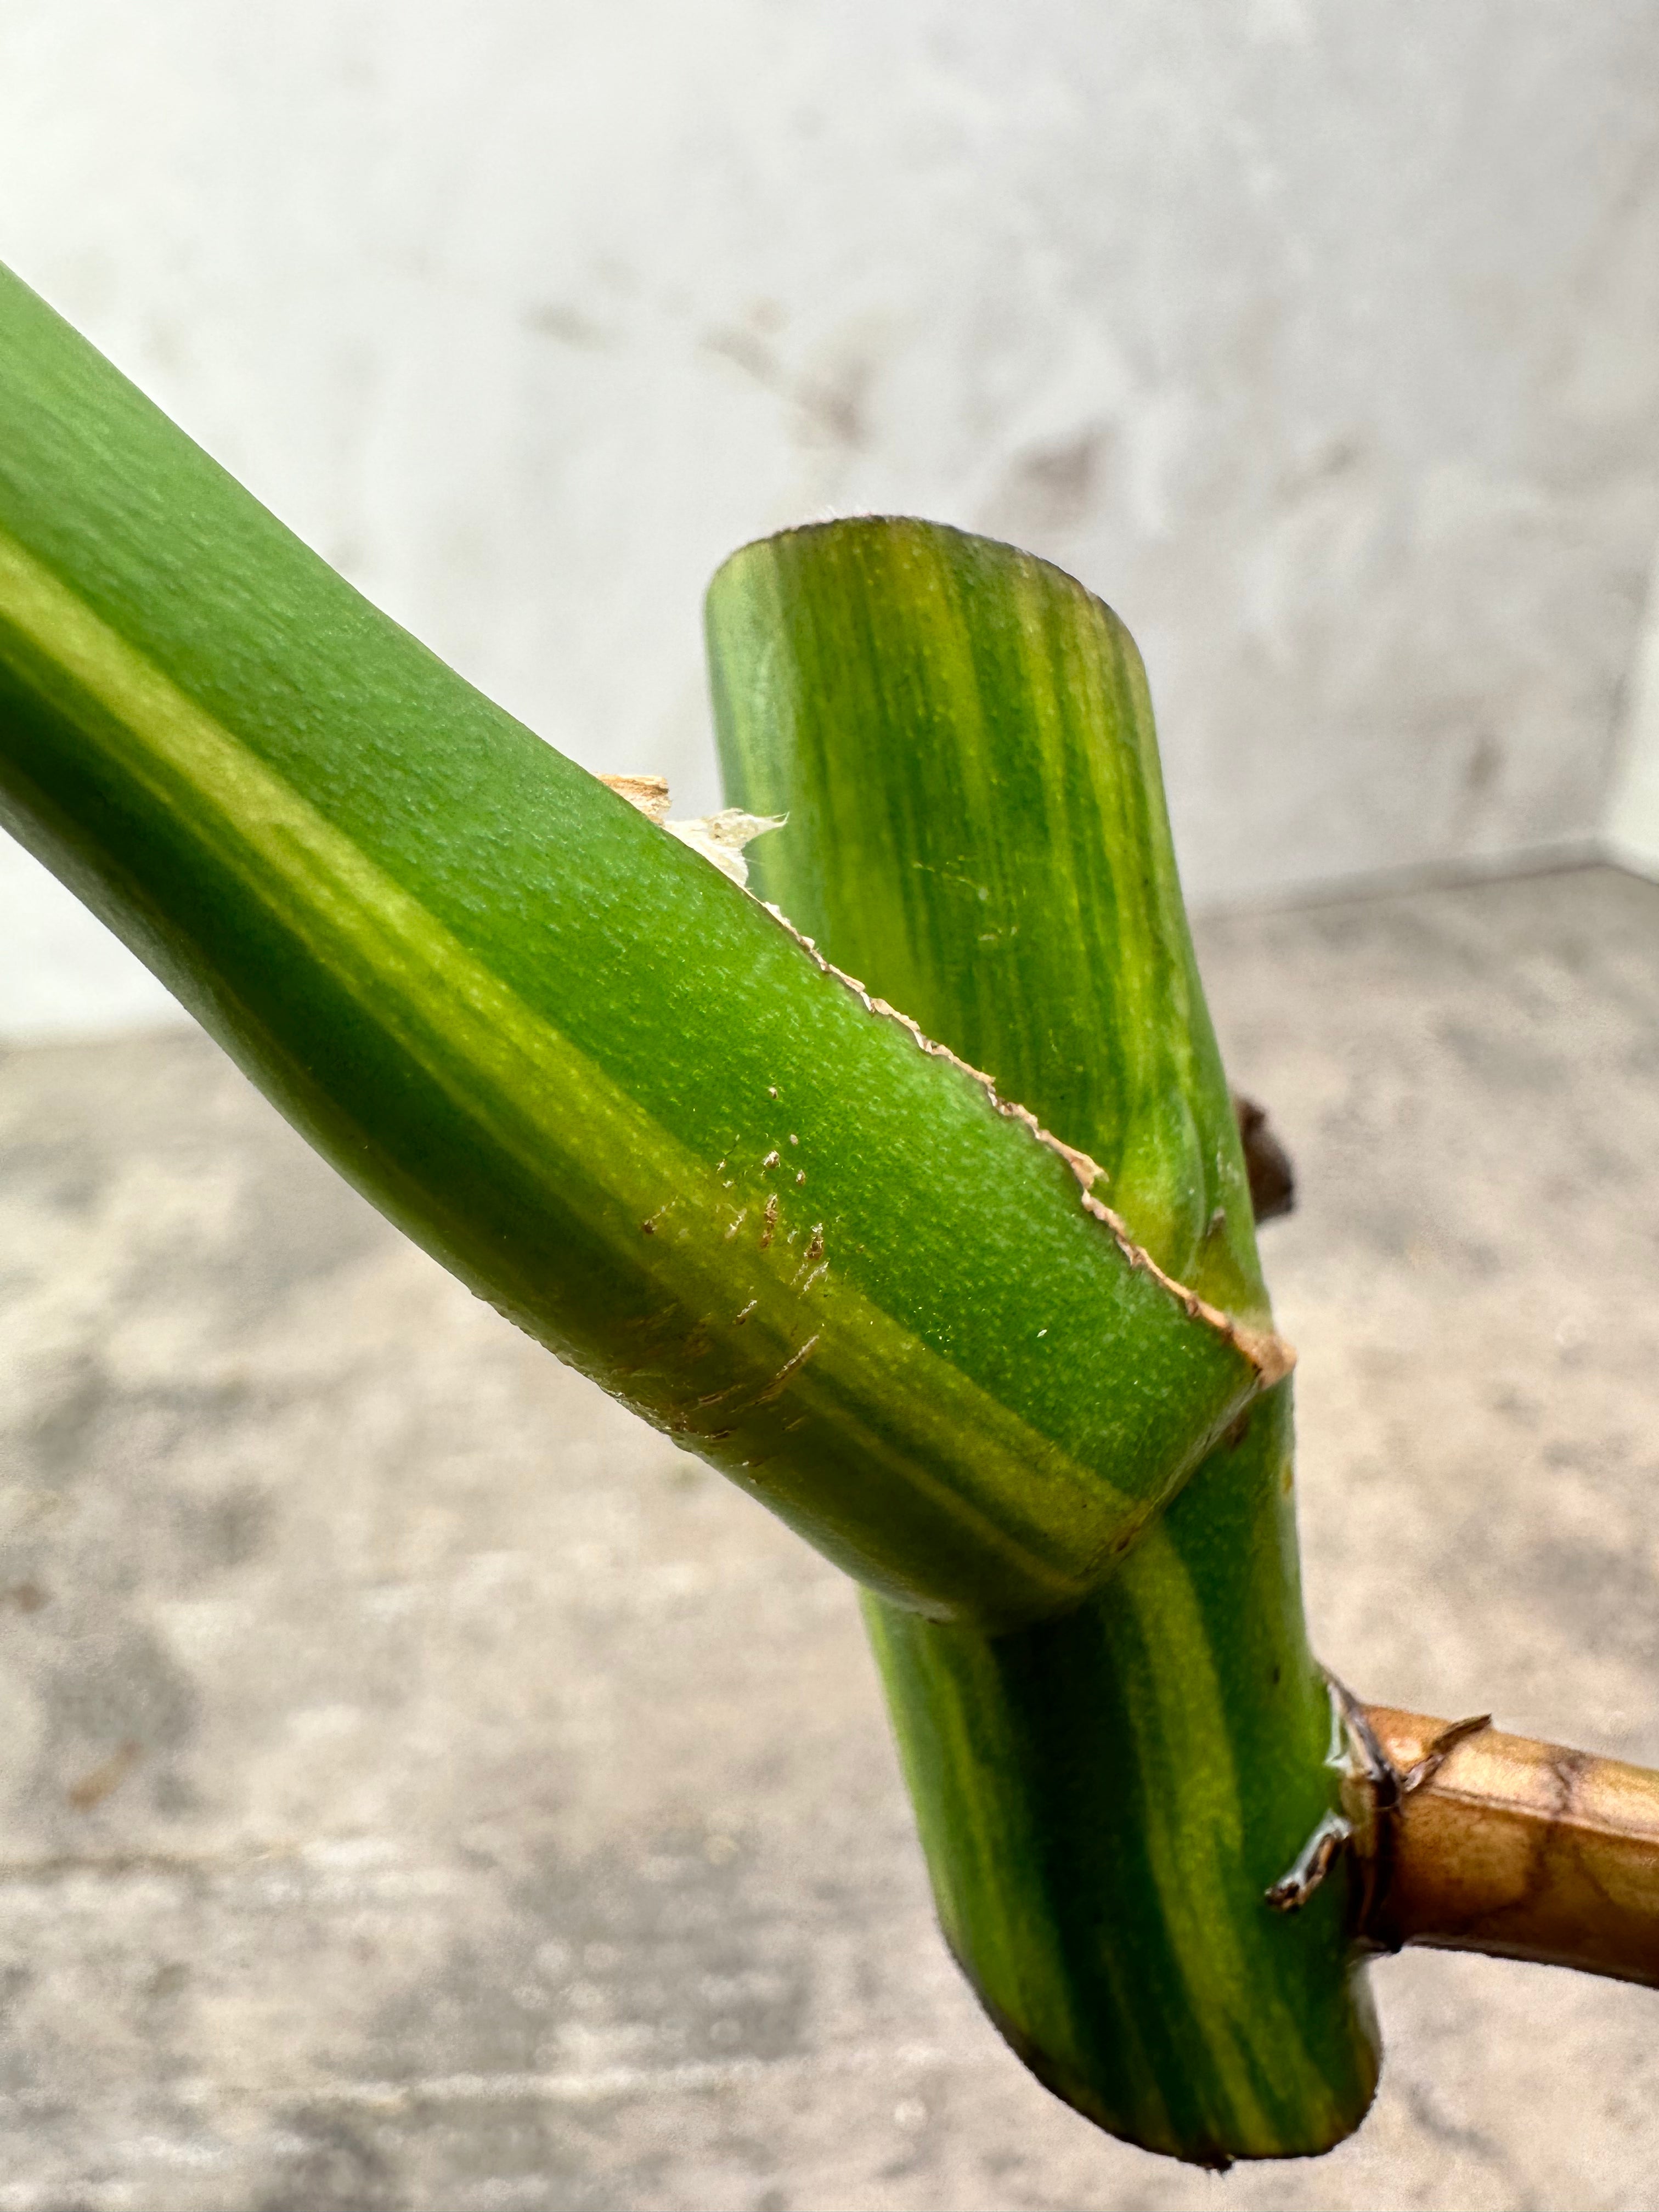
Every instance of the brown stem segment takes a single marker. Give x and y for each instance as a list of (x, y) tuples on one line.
[(1523, 1850)]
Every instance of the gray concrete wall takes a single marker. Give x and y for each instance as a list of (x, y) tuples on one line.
[(1323, 340)]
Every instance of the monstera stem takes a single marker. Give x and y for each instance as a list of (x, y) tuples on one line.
[(962, 741)]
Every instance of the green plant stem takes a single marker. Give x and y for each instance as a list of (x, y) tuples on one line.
[(600, 1083), (962, 742)]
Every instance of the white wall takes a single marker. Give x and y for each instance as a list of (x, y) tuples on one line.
[(1320, 336), (1632, 822)]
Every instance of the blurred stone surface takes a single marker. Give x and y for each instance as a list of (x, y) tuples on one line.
[(424, 1788)]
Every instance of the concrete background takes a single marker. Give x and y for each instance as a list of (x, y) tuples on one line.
[(425, 1789), (1323, 340)]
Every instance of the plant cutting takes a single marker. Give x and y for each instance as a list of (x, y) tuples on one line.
[(906, 1188)]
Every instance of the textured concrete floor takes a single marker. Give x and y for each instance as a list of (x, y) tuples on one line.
[(422, 1787)]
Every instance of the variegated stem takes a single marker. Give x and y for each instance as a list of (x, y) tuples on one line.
[(962, 739)]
